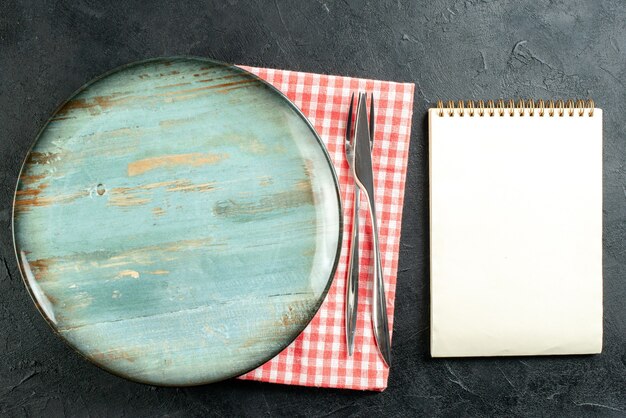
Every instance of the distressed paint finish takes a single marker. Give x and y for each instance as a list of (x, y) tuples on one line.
[(177, 222)]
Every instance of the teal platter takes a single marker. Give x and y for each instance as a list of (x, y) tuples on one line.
[(177, 221)]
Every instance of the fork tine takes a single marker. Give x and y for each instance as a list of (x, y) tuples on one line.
[(348, 138), (372, 122)]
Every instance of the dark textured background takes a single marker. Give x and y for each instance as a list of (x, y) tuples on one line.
[(451, 50)]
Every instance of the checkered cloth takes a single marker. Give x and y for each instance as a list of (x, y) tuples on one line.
[(319, 357)]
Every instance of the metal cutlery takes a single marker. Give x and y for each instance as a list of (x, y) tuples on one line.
[(352, 286), (364, 177)]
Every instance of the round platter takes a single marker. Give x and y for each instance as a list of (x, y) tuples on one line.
[(178, 221)]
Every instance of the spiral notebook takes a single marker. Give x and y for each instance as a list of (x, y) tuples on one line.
[(515, 228)]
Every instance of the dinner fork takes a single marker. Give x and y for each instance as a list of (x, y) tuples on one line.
[(352, 277)]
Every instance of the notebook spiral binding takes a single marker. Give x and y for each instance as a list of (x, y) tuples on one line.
[(560, 108)]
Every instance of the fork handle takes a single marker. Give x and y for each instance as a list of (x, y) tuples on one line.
[(352, 285)]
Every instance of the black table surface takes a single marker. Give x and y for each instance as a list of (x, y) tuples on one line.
[(451, 50)]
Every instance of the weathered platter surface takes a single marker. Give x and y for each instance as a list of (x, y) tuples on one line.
[(177, 221)]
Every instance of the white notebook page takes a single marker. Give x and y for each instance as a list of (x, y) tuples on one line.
[(515, 234)]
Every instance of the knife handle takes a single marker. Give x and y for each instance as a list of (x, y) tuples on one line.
[(379, 299), (352, 285)]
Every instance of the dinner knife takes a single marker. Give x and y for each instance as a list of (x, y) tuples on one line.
[(364, 177)]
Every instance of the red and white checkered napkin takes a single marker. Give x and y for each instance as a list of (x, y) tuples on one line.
[(319, 357)]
